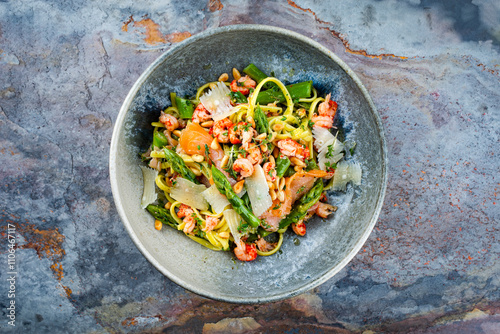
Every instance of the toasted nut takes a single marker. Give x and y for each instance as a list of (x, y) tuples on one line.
[(238, 186), (297, 162), (158, 225), (282, 183), (281, 195), (278, 127), (196, 171), (177, 133), (207, 124), (263, 148), (251, 121), (277, 183), (224, 161), (198, 157), (302, 112), (224, 235), (262, 136), (271, 160), (273, 194), (276, 152), (212, 85), (270, 185), (215, 144), (236, 74), (223, 77), (298, 168), (168, 205)]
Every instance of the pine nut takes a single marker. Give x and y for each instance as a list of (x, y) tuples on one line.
[(273, 136), (224, 161), (251, 121), (236, 74), (215, 144), (158, 225), (196, 171), (198, 157), (298, 168), (276, 152), (168, 205), (263, 148), (297, 162), (272, 161), (278, 127), (281, 195), (177, 133), (277, 183), (207, 124), (238, 187), (212, 85), (262, 136), (273, 194), (270, 185), (224, 235), (223, 77), (186, 157), (282, 183)]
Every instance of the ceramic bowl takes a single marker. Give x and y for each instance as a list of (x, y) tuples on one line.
[(329, 244)]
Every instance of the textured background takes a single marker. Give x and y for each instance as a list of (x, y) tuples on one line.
[(432, 263)]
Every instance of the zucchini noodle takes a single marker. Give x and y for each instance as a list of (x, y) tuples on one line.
[(313, 106)]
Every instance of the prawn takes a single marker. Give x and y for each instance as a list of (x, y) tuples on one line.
[(184, 211), (326, 113), (241, 133), (201, 114), (243, 166), (324, 210), (270, 171), (299, 228), (245, 252), (210, 223), (243, 85), (254, 154), (291, 148), (190, 224), (171, 123), (220, 130)]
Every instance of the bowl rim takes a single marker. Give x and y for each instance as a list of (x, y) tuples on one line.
[(121, 118)]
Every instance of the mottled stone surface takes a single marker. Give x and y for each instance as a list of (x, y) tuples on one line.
[(430, 266)]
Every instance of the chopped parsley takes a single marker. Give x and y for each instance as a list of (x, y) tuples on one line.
[(199, 148), (310, 124), (329, 154), (277, 206), (237, 97), (301, 189), (283, 118)]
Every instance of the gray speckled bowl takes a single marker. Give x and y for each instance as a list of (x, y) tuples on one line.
[(328, 245)]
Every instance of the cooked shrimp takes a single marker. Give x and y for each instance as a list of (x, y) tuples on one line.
[(171, 123), (270, 171), (299, 228), (184, 211), (291, 148), (324, 210), (171, 141), (241, 133), (326, 113), (245, 252), (254, 154), (190, 224), (243, 85), (201, 114), (243, 166), (211, 222), (220, 130), (265, 246), (322, 121)]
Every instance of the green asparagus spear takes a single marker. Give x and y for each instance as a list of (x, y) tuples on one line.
[(184, 106), (300, 209), (282, 164), (162, 215), (159, 139), (297, 91), (179, 166), (255, 73), (238, 204), (261, 122)]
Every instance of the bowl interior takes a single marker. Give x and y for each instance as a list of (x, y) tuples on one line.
[(328, 245)]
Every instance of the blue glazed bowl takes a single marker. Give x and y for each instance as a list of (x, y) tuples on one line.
[(329, 245)]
